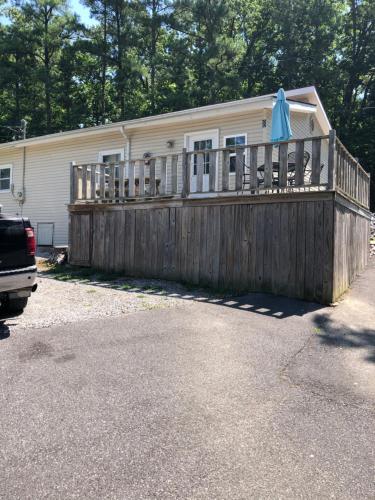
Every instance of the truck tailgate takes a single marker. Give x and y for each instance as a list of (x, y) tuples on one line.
[(13, 245)]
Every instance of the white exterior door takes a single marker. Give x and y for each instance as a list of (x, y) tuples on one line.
[(198, 141)]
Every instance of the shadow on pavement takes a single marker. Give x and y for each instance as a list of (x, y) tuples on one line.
[(258, 303), (336, 335), (266, 305)]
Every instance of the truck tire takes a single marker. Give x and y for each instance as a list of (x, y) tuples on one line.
[(14, 305)]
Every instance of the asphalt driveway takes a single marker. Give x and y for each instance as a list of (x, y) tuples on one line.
[(258, 397)]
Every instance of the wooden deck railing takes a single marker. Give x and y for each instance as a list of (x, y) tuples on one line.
[(351, 178), (124, 180), (258, 168), (310, 164)]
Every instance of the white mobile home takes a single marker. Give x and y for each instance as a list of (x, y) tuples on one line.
[(35, 173)]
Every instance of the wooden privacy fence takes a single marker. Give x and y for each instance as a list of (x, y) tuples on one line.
[(306, 245), (310, 164)]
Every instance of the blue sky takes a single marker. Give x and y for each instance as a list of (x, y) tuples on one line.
[(77, 7), (82, 11)]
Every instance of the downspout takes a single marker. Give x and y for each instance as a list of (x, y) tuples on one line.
[(128, 143)]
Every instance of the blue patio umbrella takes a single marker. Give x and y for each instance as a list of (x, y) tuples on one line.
[(281, 130)]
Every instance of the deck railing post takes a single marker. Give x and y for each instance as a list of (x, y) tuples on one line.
[(93, 182), (73, 182), (239, 168), (121, 180), (332, 160), (356, 181), (174, 173), (84, 182), (163, 175), (253, 167), (131, 179), (185, 174), (225, 170), (283, 164), (153, 177), (200, 171), (212, 173), (102, 181), (111, 181), (368, 191)]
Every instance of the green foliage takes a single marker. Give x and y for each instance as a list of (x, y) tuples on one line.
[(153, 56)]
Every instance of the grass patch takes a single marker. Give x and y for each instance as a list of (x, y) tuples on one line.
[(82, 274), (152, 288), (64, 277), (125, 286)]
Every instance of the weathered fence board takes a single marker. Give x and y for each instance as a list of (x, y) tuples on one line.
[(311, 248), (350, 258)]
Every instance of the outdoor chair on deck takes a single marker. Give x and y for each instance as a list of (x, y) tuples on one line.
[(291, 176), (292, 166)]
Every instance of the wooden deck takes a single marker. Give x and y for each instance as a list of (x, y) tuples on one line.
[(245, 170), (297, 233)]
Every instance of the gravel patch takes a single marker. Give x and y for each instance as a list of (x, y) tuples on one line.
[(60, 302)]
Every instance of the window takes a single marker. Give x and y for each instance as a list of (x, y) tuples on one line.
[(234, 140), (111, 156), (199, 146), (5, 177)]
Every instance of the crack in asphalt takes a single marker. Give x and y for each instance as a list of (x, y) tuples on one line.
[(285, 375)]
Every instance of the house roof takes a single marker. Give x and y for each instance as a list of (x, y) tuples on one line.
[(304, 100)]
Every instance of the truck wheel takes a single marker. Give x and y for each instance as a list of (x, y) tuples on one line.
[(14, 305)]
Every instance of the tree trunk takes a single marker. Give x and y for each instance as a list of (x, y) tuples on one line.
[(104, 66), (47, 72), (120, 66), (153, 56)]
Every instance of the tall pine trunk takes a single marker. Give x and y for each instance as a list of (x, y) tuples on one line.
[(47, 72)]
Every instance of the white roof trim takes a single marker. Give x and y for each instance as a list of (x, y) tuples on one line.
[(189, 115)]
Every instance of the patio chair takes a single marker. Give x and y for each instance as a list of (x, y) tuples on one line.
[(308, 173), (292, 162), (291, 176), (246, 177)]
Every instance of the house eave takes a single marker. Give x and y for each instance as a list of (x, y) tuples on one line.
[(308, 94)]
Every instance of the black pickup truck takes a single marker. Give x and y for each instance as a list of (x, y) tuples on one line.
[(17, 263)]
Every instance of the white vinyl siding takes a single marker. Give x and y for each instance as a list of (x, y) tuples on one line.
[(47, 173), (47, 178), (155, 140)]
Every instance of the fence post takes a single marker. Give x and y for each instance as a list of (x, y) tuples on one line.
[(332, 158), (185, 174)]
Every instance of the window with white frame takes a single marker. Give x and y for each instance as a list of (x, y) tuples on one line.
[(234, 140), (5, 177), (111, 156)]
